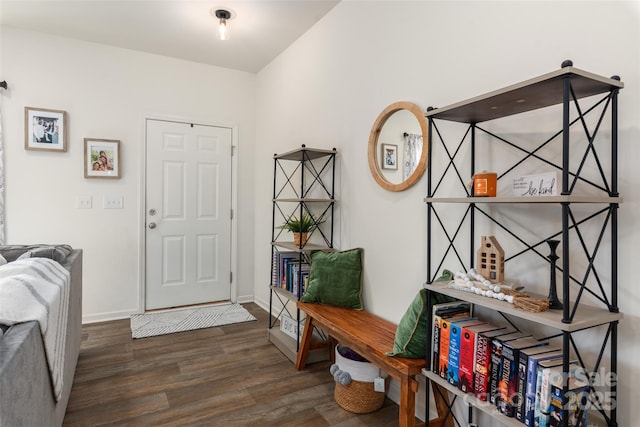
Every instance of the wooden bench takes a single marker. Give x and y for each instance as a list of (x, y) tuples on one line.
[(371, 337)]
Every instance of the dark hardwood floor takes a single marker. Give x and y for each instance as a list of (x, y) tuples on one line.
[(225, 376)]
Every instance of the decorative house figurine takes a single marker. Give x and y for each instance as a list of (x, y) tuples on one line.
[(490, 260)]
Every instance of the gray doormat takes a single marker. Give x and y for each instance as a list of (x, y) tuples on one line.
[(187, 319)]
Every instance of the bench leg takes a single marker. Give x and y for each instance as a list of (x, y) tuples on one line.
[(407, 402), (305, 343), (332, 345)]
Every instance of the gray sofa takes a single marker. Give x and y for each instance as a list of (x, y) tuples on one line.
[(26, 396)]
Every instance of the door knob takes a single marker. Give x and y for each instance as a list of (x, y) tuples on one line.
[(152, 225)]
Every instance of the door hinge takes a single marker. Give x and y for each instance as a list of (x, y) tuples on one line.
[(231, 216), (231, 277), (233, 150)]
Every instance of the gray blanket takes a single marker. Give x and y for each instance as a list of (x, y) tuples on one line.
[(55, 252)]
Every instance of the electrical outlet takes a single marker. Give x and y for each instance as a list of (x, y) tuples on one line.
[(84, 202), (114, 202)]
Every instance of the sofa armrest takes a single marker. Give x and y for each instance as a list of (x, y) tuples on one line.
[(24, 377)]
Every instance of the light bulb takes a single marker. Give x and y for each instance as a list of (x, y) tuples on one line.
[(222, 30), (223, 16)]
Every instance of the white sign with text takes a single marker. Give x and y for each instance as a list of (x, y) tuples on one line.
[(542, 184)]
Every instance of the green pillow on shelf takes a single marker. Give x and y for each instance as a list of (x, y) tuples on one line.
[(335, 278), (411, 335)]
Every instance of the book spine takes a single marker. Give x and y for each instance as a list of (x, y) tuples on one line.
[(454, 354), (467, 360), (443, 368), (536, 404), (521, 391), (575, 406), (529, 405), (289, 273), (295, 281), (531, 389), (274, 268), (283, 273), (542, 412), (495, 370), (555, 405), (507, 382), (435, 358), (482, 367), (299, 275)]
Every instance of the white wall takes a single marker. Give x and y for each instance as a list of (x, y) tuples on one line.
[(327, 89), (107, 93)]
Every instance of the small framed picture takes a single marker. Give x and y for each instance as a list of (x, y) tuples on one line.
[(45, 129), (389, 156), (101, 158)]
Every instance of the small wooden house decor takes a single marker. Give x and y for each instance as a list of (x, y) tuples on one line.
[(490, 259)]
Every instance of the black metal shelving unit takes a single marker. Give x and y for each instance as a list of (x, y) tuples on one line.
[(593, 195), (303, 183)]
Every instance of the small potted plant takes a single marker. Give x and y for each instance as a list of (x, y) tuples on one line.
[(301, 227)]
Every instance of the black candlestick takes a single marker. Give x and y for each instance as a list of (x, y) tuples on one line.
[(554, 302)]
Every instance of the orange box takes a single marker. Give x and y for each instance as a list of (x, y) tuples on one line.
[(484, 184)]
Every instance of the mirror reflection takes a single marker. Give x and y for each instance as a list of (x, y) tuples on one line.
[(397, 146), (400, 146)]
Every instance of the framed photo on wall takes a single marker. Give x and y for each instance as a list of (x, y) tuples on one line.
[(45, 129), (389, 156), (101, 158)]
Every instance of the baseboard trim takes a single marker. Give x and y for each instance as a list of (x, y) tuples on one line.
[(125, 314), (245, 299), (261, 303), (105, 317)]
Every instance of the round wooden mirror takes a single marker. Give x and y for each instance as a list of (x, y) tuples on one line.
[(398, 146)]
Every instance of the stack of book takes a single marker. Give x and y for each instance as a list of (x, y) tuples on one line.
[(520, 375), (289, 272)]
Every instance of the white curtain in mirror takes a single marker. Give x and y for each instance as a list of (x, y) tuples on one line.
[(412, 153)]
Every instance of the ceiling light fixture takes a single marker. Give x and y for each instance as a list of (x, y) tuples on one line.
[(223, 15)]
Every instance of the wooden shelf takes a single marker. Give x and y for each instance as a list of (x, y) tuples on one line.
[(524, 200), (594, 416), (540, 92), (285, 293), (472, 400), (287, 346), (306, 248), (304, 200), (586, 316), (304, 153)]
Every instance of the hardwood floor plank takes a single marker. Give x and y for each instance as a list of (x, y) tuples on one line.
[(207, 411), (225, 376), (117, 411)]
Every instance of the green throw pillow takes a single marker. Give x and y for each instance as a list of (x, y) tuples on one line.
[(335, 278), (411, 335)]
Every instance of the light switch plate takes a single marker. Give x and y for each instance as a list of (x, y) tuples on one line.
[(84, 202), (112, 202)]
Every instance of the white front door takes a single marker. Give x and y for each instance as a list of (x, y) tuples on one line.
[(188, 214)]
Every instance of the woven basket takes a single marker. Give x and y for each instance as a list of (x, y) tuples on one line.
[(358, 397)]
